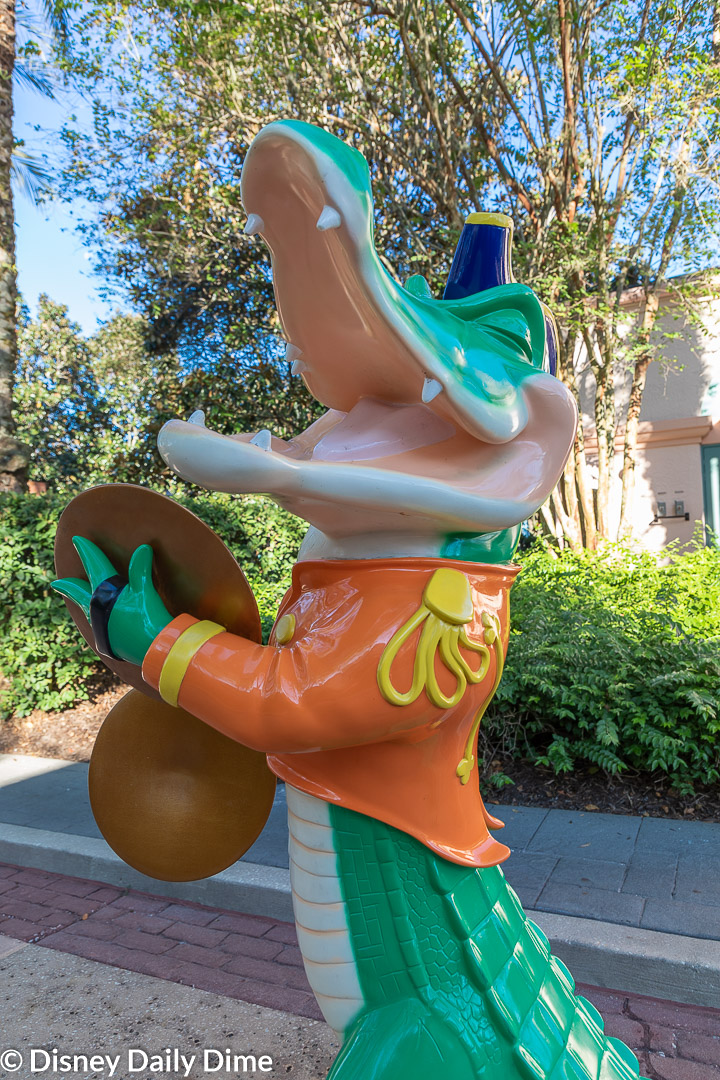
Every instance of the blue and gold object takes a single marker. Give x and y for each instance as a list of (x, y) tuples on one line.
[(483, 257), (483, 260)]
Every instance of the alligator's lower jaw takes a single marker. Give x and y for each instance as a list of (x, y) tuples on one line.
[(453, 485)]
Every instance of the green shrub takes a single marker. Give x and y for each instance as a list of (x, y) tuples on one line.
[(614, 658), (614, 661), (43, 656), (41, 652)]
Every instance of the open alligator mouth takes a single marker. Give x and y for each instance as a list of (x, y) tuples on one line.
[(440, 418)]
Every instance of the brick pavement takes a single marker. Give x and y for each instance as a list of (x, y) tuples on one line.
[(240, 956), (257, 960)]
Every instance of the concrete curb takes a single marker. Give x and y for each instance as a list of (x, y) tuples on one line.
[(670, 966), (245, 887)]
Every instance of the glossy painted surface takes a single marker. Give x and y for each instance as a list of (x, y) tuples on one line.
[(173, 797), (315, 706), (137, 614), (444, 430), (457, 982), (321, 916), (441, 420), (483, 257), (193, 570)]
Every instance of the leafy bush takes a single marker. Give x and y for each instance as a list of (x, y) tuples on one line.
[(614, 661), (43, 656), (614, 658), (41, 652)]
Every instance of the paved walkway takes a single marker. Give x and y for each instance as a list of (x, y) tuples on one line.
[(54, 1000), (245, 958), (645, 872)]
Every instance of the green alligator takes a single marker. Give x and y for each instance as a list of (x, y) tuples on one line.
[(444, 430), (456, 981)]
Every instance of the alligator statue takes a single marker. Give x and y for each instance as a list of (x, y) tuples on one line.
[(444, 430)]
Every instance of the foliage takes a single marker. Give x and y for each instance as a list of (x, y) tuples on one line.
[(594, 124), (16, 61), (614, 662), (35, 32), (60, 411), (614, 658), (42, 654), (234, 397), (91, 408)]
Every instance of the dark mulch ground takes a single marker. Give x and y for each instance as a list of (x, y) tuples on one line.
[(586, 790), (71, 734)]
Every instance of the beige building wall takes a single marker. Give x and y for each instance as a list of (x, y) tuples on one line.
[(680, 413), (687, 383)]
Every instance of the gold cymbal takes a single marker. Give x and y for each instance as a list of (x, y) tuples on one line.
[(193, 571), (173, 797)]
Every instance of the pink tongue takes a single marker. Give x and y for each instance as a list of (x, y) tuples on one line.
[(375, 429)]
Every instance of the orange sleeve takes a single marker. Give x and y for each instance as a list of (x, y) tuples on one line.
[(319, 692)]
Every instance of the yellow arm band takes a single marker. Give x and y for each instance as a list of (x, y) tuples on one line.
[(180, 656)]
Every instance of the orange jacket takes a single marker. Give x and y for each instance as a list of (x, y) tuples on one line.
[(314, 706)]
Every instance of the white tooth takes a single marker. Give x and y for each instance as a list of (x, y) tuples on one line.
[(292, 355), (255, 224), (198, 417), (329, 219), (263, 439), (431, 389)]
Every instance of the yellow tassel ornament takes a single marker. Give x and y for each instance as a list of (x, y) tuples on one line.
[(445, 610)]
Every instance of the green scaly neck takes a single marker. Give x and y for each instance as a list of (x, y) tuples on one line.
[(452, 969)]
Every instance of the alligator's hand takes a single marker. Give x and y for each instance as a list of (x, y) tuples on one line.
[(126, 615)]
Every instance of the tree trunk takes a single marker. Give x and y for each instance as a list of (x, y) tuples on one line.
[(632, 423), (13, 454), (550, 528), (573, 525), (605, 428), (585, 509), (585, 490)]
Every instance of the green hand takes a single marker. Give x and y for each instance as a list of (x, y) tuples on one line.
[(138, 615)]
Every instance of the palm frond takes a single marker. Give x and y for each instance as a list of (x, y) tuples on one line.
[(30, 176), (57, 14), (34, 74)]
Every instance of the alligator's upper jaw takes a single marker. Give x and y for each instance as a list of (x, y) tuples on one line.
[(407, 446), (325, 307), (353, 330)]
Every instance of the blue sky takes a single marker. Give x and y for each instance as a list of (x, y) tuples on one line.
[(50, 254)]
